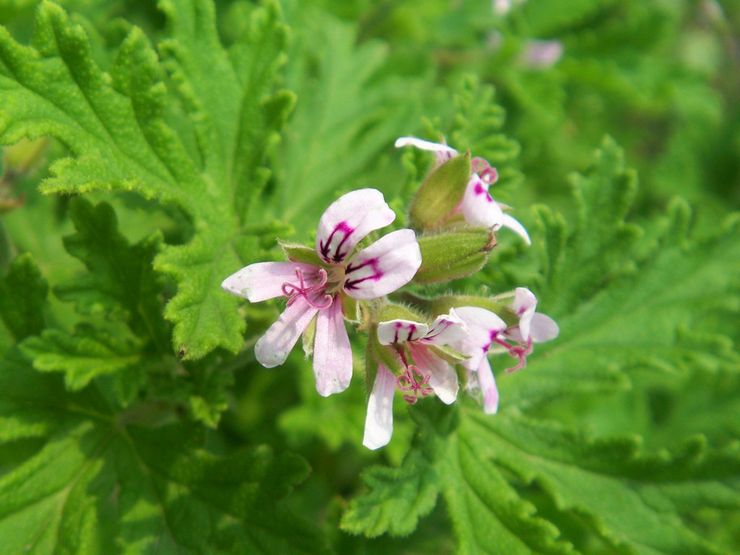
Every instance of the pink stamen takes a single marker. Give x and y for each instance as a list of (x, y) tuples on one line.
[(313, 294), (415, 383), (519, 352), (484, 170)]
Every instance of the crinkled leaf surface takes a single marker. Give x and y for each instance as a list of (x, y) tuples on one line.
[(101, 482), (125, 132)]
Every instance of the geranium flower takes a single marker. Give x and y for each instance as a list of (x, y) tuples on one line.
[(488, 332), (424, 371), (477, 205), (316, 290)]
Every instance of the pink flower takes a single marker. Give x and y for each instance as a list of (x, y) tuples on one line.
[(488, 332), (424, 371), (542, 54), (316, 290), (477, 205)]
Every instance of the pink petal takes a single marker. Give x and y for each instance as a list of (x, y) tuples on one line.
[(488, 388), (400, 331), (379, 419), (446, 330), (514, 225), (442, 376), (274, 346), (442, 152), (264, 280), (483, 325), (542, 53), (348, 220), (524, 306), (332, 354), (543, 328), (389, 263), (478, 207)]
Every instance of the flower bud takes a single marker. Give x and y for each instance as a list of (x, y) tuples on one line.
[(453, 255), (440, 193)]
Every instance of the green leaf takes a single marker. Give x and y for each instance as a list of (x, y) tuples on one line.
[(126, 132), (120, 282), (22, 296), (100, 478), (85, 354)]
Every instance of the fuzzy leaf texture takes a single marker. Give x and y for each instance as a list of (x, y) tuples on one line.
[(188, 126), (100, 482), (628, 499)]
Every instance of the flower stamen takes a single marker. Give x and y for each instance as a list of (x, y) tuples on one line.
[(313, 294)]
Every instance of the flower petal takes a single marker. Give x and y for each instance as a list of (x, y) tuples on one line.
[(400, 331), (389, 263), (442, 152), (379, 419), (483, 325), (332, 353), (524, 306), (442, 376), (446, 330), (488, 388), (478, 207), (264, 280), (514, 225), (274, 346), (348, 220), (543, 328)]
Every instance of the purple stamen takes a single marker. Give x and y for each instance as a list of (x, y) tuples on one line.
[(518, 352), (486, 172), (320, 300), (415, 383)]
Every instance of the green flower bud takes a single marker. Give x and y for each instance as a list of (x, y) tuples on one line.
[(440, 193), (453, 255)]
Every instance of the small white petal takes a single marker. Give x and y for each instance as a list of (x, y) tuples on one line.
[(447, 329), (332, 353), (400, 331), (264, 280), (386, 265), (478, 207), (543, 328), (274, 346), (442, 376), (379, 418), (514, 225), (524, 306), (488, 388), (483, 325), (348, 220)]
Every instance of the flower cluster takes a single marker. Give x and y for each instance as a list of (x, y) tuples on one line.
[(415, 345)]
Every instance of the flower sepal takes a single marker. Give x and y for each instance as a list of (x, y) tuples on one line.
[(453, 254), (440, 194), (447, 353), (295, 252)]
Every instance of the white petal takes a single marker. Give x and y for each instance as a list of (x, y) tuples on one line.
[(386, 265), (348, 220), (516, 227), (274, 346), (488, 388), (446, 330), (543, 328), (379, 419), (400, 331), (264, 280), (482, 326), (332, 353), (524, 306), (442, 376), (478, 207), (442, 152)]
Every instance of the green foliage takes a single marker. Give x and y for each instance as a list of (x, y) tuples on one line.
[(120, 128), (133, 416), (102, 481)]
